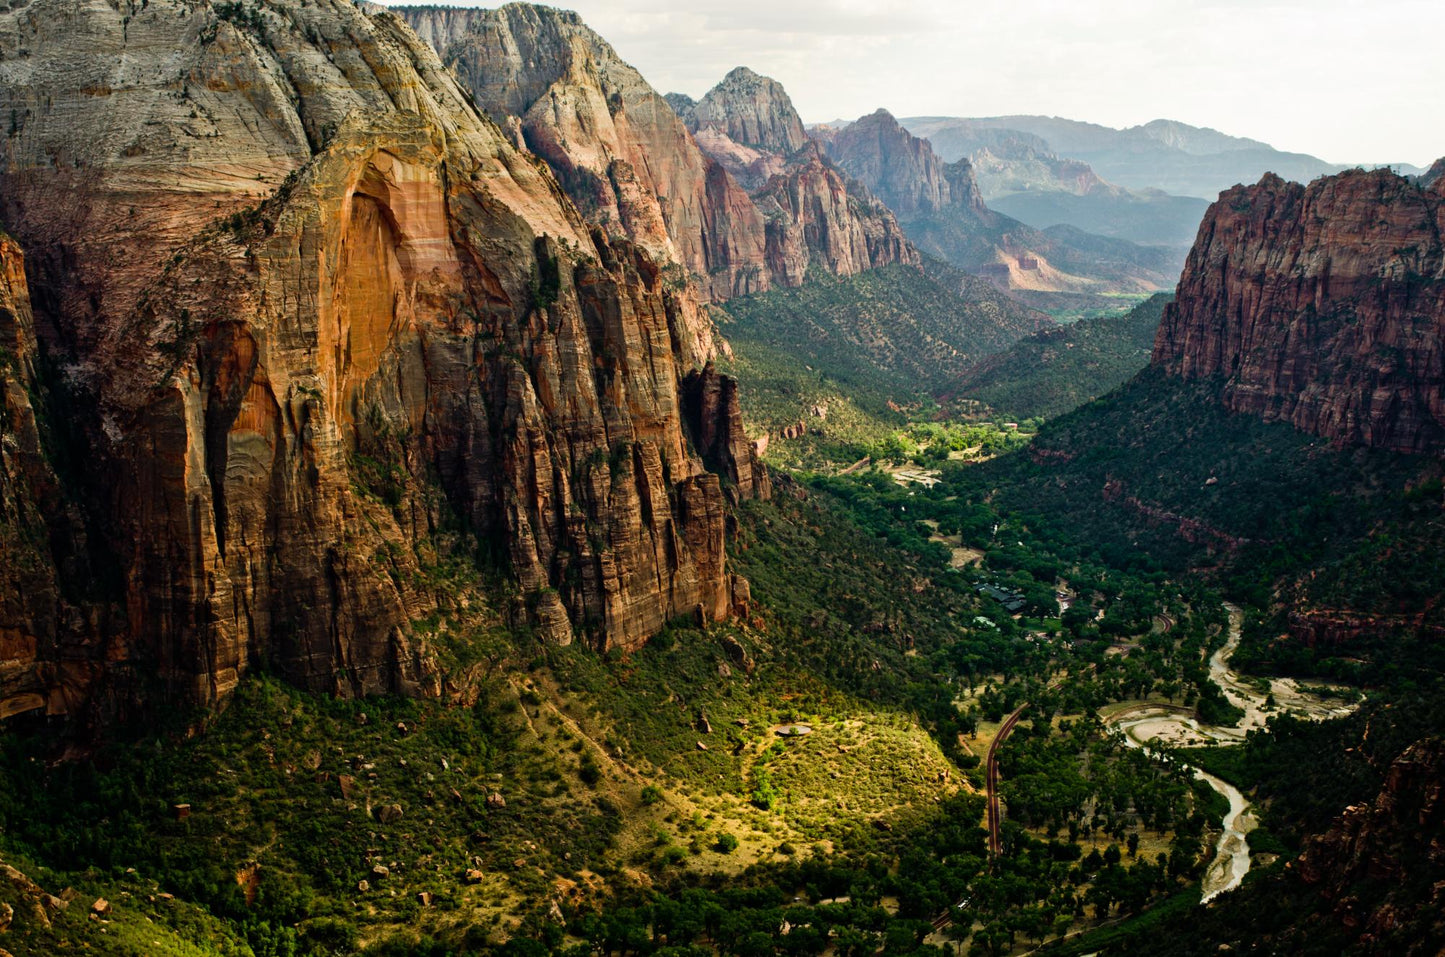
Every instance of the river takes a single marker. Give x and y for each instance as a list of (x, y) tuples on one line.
[(1150, 723)]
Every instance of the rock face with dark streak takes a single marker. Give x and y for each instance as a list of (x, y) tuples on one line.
[(1390, 851), (39, 628), (1322, 306), (283, 405), (616, 146), (632, 165)]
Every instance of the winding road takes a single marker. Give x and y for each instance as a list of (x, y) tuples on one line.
[(991, 777)]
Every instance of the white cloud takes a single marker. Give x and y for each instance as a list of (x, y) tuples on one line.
[(1347, 80)]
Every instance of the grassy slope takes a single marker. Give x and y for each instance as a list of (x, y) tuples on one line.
[(864, 348), (1057, 370), (569, 739)]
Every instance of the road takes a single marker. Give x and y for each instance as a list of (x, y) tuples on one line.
[(991, 777), (991, 785)]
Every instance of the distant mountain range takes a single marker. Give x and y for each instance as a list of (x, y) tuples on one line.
[(1174, 157)]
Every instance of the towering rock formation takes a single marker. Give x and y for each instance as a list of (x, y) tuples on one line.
[(1322, 306), (902, 170), (615, 144), (312, 309), (1434, 174), (815, 215), (45, 638), (632, 165), (942, 211)]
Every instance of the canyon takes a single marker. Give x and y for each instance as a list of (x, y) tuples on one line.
[(738, 216)]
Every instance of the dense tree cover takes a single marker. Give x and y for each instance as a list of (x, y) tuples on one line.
[(1057, 370), (1158, 476)]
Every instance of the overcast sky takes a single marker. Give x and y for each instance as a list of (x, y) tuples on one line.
[(1347, 80)]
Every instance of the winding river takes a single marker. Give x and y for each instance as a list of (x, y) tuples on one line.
[(1151, 723)]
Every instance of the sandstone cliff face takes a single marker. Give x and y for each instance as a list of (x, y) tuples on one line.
[(1392, 850), (816, 217), (1322, 306), (901, 169), (33, 613), (617, 147), (287, 403), (1434, 174)]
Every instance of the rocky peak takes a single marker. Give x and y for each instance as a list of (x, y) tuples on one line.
[(1322, 306), (752, 111), (681, 104), (616, 146), (901, 169), (627, 159), (316, 312)]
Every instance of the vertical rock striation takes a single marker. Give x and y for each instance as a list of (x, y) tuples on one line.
[(1322, 306), (314, 309), (751, 110), (615, 144)]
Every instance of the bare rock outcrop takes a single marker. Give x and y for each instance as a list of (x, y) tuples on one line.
[(616, 145), (1378, 866), (683, 187), (901, 169), (310, 307), (751, 110), (942, 212), (1322, 306), (816, 216)]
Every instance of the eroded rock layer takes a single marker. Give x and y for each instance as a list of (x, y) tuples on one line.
[(1322, 306), (284, 402)]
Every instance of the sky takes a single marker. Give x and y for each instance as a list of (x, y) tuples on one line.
[(1345, 80)]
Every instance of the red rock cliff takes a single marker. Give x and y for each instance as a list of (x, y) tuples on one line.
[(1322, 306), (286, 403)]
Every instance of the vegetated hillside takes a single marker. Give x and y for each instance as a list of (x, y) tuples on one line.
[(892, 335), (1164, 154), (1313, 534), (551, 785), (1056, 370)]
